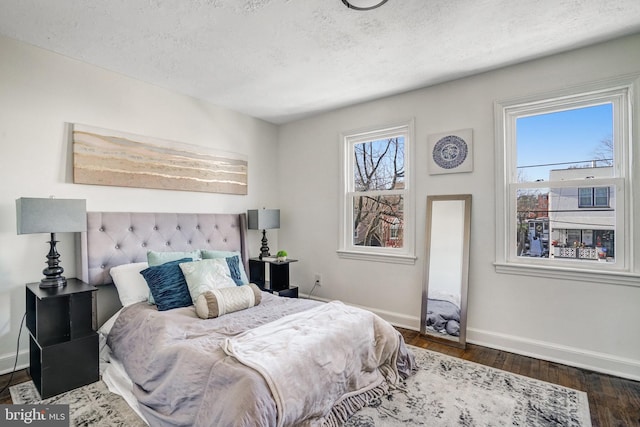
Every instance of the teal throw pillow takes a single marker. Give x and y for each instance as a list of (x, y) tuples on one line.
[(158, 258)]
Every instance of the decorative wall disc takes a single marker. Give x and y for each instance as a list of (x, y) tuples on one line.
[(450, 152)]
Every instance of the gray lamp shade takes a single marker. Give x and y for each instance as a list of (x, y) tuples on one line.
[(264, 219), (50, 215)]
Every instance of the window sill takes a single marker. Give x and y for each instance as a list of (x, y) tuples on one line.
[(619, 278), (368, 256)]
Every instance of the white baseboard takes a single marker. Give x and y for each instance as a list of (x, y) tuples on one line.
[(579, 358), (7, 361), (586, 359), (396, 319)]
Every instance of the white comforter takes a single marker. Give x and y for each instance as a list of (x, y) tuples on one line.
[(314, 360)]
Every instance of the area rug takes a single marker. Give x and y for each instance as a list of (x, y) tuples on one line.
[(445, 391), (90, 406)]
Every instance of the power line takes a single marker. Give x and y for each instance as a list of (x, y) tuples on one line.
[(565, 163), (566, 210), (578, 223)]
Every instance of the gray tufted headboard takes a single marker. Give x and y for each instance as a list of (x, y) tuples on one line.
[(115, 238)]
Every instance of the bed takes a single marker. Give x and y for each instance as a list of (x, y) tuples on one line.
[(279, 362)]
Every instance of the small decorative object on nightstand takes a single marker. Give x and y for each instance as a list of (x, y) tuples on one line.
[(278, 276), (63, 344), (281, 256)]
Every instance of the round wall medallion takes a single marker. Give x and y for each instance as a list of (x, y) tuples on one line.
[(450, 152)]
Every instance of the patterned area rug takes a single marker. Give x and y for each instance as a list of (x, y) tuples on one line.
[(445, 391), (91, 405)]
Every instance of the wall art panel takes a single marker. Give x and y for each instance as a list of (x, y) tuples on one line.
[(106, 157)]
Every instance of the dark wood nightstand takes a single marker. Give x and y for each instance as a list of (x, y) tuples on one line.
[(278, 282), (63, 344), (291, 292)]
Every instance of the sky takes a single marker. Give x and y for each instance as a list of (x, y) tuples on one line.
[(564, 136)]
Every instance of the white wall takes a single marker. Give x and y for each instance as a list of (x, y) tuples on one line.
[(39, 92), (295, 167), (595, 325)]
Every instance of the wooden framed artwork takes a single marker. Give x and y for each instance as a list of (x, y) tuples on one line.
[(451, 152), (107, 157)]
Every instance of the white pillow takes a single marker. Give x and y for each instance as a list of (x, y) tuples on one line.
[(206, 275), (131, 286)]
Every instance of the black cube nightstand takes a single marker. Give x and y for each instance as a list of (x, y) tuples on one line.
[(278, 276), (63, 344), (291, 292)]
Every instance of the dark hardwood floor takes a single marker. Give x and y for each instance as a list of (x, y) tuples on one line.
[(613, 401), (19, 377)]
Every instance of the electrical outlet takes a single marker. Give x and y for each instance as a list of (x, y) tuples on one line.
[(318, 279)]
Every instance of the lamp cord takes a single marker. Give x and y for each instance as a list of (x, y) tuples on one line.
[(15, 363), (313, 289)]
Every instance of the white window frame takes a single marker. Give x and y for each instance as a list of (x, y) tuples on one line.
[(346, 248), (622, 94)]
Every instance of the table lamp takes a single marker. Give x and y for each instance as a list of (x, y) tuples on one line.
[(264, 219), (51, 216)]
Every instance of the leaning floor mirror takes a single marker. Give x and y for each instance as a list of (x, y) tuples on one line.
[(446, 279)]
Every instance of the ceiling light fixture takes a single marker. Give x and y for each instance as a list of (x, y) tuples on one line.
[(363, 4)]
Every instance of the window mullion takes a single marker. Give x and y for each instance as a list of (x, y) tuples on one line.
[(374, 193)]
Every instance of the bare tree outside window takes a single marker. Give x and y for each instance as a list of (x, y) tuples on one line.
[(378, 206), (603, 154)]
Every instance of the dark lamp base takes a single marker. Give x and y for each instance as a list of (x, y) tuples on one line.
[(53, 282), (53, 277), (264, 249)]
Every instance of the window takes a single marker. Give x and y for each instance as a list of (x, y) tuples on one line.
[(396, 227), (593, 197), (564, 192), (377, 218)]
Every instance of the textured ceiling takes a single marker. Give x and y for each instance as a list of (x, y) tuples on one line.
[(281, 60)]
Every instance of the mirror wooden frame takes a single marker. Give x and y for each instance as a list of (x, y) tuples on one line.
[(431, 246)]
